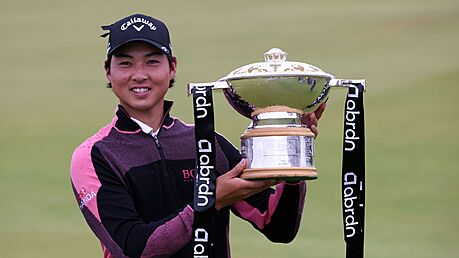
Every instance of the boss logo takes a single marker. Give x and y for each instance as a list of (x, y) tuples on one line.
[(188, 174)]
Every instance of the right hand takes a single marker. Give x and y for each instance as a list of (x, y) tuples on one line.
[(310, 120), (231, 188)]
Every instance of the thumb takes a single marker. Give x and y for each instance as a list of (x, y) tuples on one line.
[(237, 170), (320, 110)]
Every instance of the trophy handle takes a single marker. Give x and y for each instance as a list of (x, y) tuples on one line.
[(218, 85), (346, 83)]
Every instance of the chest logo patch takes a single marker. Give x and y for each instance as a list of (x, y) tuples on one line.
[(188, 175)]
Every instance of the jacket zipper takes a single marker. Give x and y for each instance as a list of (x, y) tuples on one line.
[(161, 152), (158, 145)]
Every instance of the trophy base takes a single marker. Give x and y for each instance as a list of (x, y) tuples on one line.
[(287, 174)]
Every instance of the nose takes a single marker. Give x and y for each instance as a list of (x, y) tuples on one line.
[(139, 74)]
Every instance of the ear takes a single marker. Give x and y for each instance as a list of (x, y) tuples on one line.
[(173, 67), (107, 69)]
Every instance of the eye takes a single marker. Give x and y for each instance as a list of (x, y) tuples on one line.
[(124, 63), (152, 61)]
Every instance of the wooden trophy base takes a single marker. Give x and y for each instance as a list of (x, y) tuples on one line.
[(286, 174)]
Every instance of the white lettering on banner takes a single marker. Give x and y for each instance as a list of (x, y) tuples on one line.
[(204, 146), (348, 203), (205, 186), (135, 20), (201, 102), (350, 135), (203, 177), (200, 235)]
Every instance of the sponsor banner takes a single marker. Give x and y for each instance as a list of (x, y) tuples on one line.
[(353, 172), (205, 174)]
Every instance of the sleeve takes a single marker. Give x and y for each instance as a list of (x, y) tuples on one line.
[(110, 212), (274, 212)]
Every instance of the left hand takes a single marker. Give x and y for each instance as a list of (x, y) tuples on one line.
[(231, 188), (310, 119)]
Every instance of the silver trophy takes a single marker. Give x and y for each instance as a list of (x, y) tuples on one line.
[(275, 94)]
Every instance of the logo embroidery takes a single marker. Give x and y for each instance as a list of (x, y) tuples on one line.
[(188, 175), (84, 197), (135, 20), (138, 28)]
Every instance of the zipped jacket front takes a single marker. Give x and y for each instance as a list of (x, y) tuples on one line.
[(136, 192)]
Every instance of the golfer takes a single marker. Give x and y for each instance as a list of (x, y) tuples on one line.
[(133, 180)]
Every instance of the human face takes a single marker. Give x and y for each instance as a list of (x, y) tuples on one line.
[(140, 74)]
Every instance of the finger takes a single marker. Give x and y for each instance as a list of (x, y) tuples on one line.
[(309, 119), (320, 110), (263, 184), (314, 130), (237, 170), (269, 183), (305, 119), (252, 185), (312, 120), (257, 186)]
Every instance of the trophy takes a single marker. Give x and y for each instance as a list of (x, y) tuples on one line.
[(275, 94)]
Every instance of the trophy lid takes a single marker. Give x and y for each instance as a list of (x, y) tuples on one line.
[(275, 65), (276, 83)]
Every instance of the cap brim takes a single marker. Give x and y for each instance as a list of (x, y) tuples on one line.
[(159, 46)]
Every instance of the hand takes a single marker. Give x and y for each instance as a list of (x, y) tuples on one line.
[(311, 119), (231, 188)]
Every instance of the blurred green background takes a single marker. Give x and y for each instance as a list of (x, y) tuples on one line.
[(53, 96)]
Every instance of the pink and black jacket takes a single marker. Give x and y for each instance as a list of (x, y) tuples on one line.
[(136, 193)]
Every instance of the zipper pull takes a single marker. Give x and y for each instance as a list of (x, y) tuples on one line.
[(156, 140)]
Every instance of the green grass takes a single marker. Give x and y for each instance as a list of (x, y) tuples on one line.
[(53, 97)]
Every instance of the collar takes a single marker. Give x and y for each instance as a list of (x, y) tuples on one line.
[(125, 123), (144, 127)]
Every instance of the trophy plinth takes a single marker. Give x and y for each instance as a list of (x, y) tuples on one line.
[(286, 174), (277, 146)]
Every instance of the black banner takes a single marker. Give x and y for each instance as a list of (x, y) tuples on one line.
[(205, 176), (353, 172)]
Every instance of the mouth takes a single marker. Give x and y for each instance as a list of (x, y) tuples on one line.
[(140, 90)]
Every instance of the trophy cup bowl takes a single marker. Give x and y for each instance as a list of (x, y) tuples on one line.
[(275, 94)]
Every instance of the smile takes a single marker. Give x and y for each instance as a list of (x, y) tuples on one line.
[(140, 90)]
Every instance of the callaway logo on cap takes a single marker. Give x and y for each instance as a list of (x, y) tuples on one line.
[(138, 27)]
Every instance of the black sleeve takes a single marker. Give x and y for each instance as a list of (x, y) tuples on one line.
[(119, 216), (232, 154), (282, 220)]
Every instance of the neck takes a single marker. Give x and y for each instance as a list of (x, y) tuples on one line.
[(152, 117)]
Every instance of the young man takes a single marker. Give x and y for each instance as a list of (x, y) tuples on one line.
[(133, 179)]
